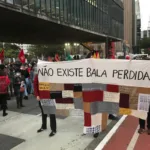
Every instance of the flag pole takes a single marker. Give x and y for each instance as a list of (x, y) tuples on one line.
[(3, 45), (3, 49)]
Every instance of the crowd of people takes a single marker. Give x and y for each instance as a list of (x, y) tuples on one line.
[(21, 80), (20, 83)]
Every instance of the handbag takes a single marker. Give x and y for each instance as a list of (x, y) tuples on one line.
[(22, 89)]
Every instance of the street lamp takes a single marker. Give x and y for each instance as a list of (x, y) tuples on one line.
[(76, 44), (67, 47), (67, 44)]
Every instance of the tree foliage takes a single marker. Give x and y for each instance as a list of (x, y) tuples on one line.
[(145, 43), (11, 50), (45, 50), (147, 51)]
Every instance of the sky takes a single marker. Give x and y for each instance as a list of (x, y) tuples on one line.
[(145, 13)]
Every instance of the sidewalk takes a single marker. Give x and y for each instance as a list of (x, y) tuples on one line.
[(24, 127), (127, 138)]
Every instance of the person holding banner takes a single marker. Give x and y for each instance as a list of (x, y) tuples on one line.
[(38, 95), (142, 124)]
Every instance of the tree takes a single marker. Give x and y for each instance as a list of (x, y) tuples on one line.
[(147, 51), (11, 50), (46, 50), (145, 43)]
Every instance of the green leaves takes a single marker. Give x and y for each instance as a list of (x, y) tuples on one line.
[(11, 50), (145, 43), (46, 50)]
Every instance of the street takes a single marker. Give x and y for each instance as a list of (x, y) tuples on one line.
[(18, 130)]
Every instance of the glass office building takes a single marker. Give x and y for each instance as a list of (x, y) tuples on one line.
[(100, 16)]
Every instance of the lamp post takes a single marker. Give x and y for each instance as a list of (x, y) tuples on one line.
[(67, 47), (76, 45)]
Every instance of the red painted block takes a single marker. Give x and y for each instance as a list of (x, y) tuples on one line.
[(123, 136)]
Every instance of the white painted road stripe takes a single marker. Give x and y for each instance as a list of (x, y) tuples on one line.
[(38, 115), (110, 134), (133, 140)]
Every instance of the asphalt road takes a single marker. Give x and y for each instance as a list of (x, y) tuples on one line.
[(31, 106), (29, 117)]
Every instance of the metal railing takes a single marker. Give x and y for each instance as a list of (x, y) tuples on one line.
[(93, 15)]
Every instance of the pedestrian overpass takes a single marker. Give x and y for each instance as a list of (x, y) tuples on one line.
[(59, 21)]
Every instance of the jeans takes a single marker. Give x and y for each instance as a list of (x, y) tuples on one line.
[(28, 85), (32, 88), (19, 97), (25, 90)]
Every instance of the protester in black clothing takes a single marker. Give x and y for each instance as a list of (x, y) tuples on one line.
[(143, 122), (19, 84), (44, 116), (44, 122), (11, 77)]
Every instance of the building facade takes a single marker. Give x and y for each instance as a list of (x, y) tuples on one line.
[(138, 22), (146, 33), (129, 22), (103, 17)]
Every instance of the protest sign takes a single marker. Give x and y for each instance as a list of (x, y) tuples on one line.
[(98, 87), (117, 72)]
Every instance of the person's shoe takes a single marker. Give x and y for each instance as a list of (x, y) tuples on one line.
[(96, 135), (148, 131), (5, 114), (18, 107), (9, 98), (140, 131), (22, 106), (111, 117), (26, 97), (52, 133), (41, 130)]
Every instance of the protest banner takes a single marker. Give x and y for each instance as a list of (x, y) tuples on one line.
[(117, 72), (98, 87)]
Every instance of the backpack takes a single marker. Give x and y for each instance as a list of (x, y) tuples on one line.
[(4, 83)]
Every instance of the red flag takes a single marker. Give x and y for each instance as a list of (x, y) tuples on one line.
[(57, 57), (21, 56), (2, 55), (50, 59)]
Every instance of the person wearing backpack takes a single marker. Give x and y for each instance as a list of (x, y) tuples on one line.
[(4, 83)]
